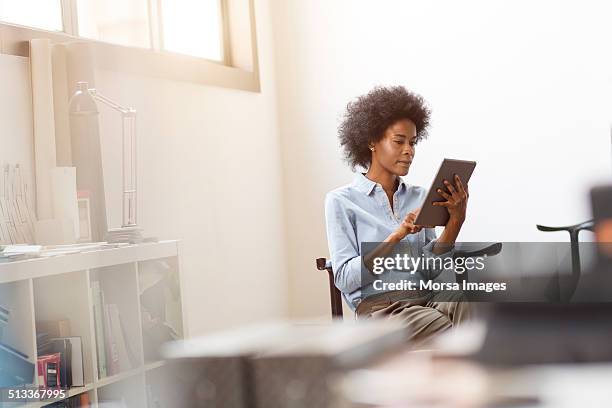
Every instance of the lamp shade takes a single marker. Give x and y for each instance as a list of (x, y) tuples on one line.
[(83, 102)]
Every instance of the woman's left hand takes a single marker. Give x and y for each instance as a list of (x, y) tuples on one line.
[(456, 200)]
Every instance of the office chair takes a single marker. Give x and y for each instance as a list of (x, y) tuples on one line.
[(574, 231), (335, 296)]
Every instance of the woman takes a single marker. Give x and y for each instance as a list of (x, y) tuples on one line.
[(379, 133)]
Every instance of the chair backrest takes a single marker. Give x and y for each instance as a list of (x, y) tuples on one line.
[(334, 294)]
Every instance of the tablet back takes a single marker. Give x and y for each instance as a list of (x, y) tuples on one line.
[(434, 215)]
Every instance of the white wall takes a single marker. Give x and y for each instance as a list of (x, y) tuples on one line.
[(522, 87), (210, 174)]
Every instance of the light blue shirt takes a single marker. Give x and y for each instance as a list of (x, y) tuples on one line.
[(361, 212)]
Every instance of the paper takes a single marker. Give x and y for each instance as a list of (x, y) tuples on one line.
[(65, 205), (44, 124), (13, 250)]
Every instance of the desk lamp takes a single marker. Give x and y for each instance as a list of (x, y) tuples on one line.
[(83, 103)]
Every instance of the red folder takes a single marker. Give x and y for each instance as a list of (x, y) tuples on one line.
[(49, 370)]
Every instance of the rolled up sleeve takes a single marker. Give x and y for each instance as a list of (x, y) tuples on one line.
[(343, 246)]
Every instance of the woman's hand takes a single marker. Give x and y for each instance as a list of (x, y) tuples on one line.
[(456, 200), (407, 226)]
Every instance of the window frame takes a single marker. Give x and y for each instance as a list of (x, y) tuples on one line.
[(154, 61)]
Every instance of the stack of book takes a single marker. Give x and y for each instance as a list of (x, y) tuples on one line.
[(63, 366), (113, 350), (55, 345)]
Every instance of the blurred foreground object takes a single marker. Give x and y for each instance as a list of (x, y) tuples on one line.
[(601, 199), (274, 365)]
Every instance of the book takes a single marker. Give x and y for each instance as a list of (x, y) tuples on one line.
[(14, 350), (76, 361), (118, 338), (16, 369), (112, 354), (48, 367), (99, 327), (64, 347)]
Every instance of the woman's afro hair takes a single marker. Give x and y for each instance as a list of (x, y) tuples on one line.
[(367, 117)]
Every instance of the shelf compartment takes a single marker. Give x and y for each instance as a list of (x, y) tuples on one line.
[(127, 392), (18, 332), (169, 387), (116, 314), (160, 304), (65, 297)]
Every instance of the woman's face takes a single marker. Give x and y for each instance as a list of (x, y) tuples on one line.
[(395, 151)]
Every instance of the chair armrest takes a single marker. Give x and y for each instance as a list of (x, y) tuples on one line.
[(323, 264), (587, 225), (489, 250)]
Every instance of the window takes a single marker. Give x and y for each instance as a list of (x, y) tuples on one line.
[(193, 27), (190, 27), (124, 22), (48, 15), (210, 42)]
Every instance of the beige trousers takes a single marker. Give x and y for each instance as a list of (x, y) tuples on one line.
[(425, 315)]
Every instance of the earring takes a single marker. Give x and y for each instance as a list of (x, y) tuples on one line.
[(371, 148)]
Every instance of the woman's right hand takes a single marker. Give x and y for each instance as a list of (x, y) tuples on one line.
[(407, 226)]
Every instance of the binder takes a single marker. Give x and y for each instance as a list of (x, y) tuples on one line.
[(72, 362), (64, 348), (15, 369), (99, 326), (78, 372)]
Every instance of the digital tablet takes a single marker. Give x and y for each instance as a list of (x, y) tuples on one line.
[(431, 215)]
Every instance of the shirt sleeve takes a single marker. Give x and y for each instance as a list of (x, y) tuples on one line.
[(343, 245), (437, 274)]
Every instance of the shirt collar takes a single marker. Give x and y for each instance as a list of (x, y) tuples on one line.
[(366, 186)]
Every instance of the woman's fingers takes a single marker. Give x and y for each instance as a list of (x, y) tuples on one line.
[(449, 187), (443, 194), (459, 184), (440, 203), (414, 229), (408, 222)]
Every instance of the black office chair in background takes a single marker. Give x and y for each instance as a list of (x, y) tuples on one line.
[(335, 296), (563, 292)]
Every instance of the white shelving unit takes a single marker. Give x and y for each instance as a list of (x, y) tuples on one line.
[(141, 280)]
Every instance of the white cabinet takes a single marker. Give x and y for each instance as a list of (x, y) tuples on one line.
[(141, 292)]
